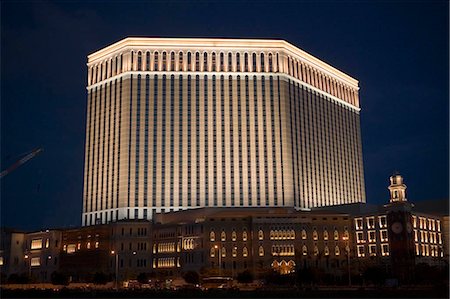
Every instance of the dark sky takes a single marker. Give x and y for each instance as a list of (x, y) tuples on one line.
[(397, 50)]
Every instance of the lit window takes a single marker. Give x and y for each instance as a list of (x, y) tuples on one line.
[(224, 252), (438, 225), (417, 249), (359, 223), (47, 243), (244, 236), (372, 236), (35, 261), (1, 260), (304, 234), (372, 250), (71, 248), (315, 235), (326, 250), (36, 244), (233, 236), (414, 221), (384, 249), (440, 238), (416, 235), (360, 237), (370, 222), (433, 224), (65, 248), (305, 250), (79, 246), (260, 235), (345, 233), (325, 235), (382, 221), (234, 252), (337, 251), (384, 235), (272, 235), (223, 236), (361, 252), (336, 235), (212, 252), (212, 236), (316, 250), (425, 234), (88, 245), (96, 244), (261, 251), (244, 252)]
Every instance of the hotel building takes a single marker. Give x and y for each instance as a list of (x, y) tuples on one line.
[(175, 124)]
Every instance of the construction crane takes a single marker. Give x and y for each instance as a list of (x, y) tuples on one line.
[(21, 161)]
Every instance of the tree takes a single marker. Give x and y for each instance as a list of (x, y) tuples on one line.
[(191, 277), (142, 278), (245, 277), (59, 278)]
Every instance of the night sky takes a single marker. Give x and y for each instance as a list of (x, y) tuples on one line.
[(397, 50)]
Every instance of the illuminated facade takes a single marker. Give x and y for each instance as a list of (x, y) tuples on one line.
[(174, 124)]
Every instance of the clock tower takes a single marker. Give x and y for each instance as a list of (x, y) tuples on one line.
[(400, 232)]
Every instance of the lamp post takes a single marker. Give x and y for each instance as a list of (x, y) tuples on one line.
[(27, 257), (347, 249), (116, 254), (220, 259)]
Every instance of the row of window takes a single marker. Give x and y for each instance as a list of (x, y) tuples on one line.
[(371, 236), (71, 248), (429, 250), (426, 223), (370, 222), (372, 250), (427, 237)]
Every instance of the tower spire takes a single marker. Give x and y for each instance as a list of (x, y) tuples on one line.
[(397, 189)]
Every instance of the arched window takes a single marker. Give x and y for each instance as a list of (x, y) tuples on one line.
[(212, 252), (222, 62), (326, 250), (272, 235), (156, 61), (336, 235), (213, 61), (315, 235), (230, 62), (244, 235), (223, 236), (172, 61), (238, 62), (304, 250), (261, 251), (304, 236), (316, 250), (337, 251), (325, 235), (254, 62), (233, 236), (262, 63), (244, 252), (101, 72), (234, 251), (277, 64), (261, 235), (139, 61), (205, 62), (212, 236), (270, 63), (293, 234), (189, 61), (180, 61), (246, 62), (164, 61), (224, 252), (197, 61)]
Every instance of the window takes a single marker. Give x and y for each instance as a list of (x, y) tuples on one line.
[(212, 236), (36, 244), (414, 221), (304, 234), (316, 250), (223, 236), (212, 252), (336, 235), (305, 250), (260, 235), (180, 61), (384, 249), (261, 251), (244, 252), (359, 223), (244, 236), (233, 236), (326, 251), (47, 243), (325, 235), (360, 237), (382, 221), (337, 251), (438, 225), (71, 248), (370, 222), (234, 252), (384, 235), (35, 261), (372, 236), (96, 244), (315, 235), (372, 250), (1, 260), (224, 252), (361, 252)]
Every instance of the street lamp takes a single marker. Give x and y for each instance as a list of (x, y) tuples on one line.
[(347, 249), (220, 259), (116, 254)]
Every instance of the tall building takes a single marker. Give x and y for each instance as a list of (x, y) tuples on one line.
[(175, 124)]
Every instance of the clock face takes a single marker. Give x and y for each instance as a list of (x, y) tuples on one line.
[(408, 227), (397, 227)]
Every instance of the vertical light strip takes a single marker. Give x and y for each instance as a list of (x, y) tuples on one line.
[(206, 150)]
